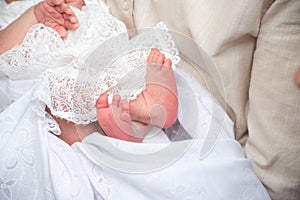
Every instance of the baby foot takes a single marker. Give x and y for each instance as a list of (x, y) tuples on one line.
[(158, 104), (115, 119), (57, 15)]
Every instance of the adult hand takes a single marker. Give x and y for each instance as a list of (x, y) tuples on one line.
[(57, 15)]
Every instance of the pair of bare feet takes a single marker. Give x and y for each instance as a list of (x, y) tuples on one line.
[(130, 121), (156, 106)]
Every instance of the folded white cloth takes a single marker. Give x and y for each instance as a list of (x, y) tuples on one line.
[(35, 164)]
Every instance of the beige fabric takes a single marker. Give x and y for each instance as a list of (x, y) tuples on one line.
[(274, 102), (257, 40), (122, 10), (226, 30)]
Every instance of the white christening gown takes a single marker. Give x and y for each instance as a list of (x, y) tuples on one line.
[(67, 76)]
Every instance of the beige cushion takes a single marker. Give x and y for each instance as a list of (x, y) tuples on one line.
[(228, 32), (274, 102)]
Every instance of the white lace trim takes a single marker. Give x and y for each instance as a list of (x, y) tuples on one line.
[(53, 126)]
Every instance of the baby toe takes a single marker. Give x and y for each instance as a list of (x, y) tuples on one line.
[(124, 105), (116, 100), (102, 101), (160, 59), (167, 63)]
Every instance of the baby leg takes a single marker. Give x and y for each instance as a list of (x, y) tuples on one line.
[(115, 119), (158, 104), (57, 15)]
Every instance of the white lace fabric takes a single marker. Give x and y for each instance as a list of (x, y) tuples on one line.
[(98, 57)]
